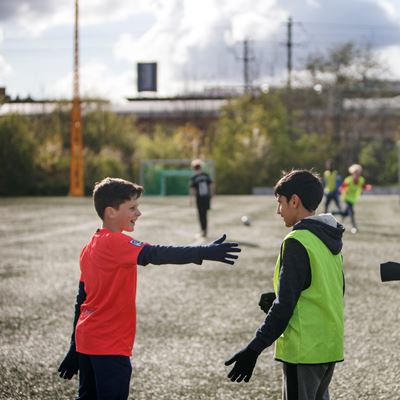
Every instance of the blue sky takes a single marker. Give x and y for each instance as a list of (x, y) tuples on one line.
[(197, 44)]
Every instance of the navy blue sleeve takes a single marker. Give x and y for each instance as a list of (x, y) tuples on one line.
[(294, 277), (158, 255), (80, 298)]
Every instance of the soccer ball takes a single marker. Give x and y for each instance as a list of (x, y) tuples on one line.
[(245, 220)]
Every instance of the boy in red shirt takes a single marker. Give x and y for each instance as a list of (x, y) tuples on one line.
[(105, 311)]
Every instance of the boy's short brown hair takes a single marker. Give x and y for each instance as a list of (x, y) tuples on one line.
[(112, 192), (306, 184)]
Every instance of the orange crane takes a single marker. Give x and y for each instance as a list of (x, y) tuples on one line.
[(76, 182)]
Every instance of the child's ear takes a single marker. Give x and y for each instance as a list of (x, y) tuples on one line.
[(109, 212), (295, 201)]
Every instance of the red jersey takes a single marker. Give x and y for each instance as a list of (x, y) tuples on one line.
[(107, 321)]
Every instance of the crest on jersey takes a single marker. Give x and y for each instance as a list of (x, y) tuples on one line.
[(136, 242)]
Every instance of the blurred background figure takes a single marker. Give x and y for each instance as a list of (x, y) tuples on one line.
[(332, 182), (202, 188), (351, 189)]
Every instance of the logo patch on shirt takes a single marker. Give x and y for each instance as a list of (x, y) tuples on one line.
[(136, 243)]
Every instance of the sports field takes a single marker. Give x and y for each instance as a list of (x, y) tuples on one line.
[(190, 318)]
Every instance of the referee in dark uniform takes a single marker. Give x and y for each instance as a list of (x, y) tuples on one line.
[(201, 186)]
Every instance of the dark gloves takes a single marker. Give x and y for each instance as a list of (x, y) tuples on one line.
[(69, 366), (266, 301), (219, 251), (390, 271), (245, 362)]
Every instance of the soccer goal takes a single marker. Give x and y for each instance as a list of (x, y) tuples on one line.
[(169, 177)]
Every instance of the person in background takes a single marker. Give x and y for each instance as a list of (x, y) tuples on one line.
[(331, 186), (351, 190), (202, 188)]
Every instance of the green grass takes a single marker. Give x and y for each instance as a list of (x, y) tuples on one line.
[(190, 318)]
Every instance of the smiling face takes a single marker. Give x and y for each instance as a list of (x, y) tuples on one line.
[(122, 218)]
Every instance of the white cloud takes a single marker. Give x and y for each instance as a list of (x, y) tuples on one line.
[(34, 17), (192, 41), (196, 43), (5, 70), (390, 56), (252, 25), (96, 80), (392, 9)]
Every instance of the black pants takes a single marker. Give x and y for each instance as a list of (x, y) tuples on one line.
[(104, 377), (329, 197), (203, 205), (349, 212)]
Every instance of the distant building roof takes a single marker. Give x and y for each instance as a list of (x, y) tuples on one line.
[(392, 103), (141, 107), (28, 108), (174, 106)]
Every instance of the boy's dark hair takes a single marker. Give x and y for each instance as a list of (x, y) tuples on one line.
[(306, 184), (112, 192)]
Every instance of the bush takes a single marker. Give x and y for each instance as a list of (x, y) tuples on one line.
[(17, 156)]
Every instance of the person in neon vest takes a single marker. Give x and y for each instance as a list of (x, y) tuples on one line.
[(305, 319), (351, 190), (331, 179)]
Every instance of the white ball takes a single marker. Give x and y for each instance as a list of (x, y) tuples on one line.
[(245, 220)]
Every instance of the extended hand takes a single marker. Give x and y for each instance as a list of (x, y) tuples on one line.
[(220, 251), (245, 361), (69, 366), (266, 301)]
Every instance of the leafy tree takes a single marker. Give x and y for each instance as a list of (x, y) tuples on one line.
[(111, 145), (379, 161), (160, 144), (107, 162), (251, 144), (17, 156), (52, 167)]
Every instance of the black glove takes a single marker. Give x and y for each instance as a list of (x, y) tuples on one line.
[(219, 251), (69, 366), (266, 301), (245, 362), (390, 271)]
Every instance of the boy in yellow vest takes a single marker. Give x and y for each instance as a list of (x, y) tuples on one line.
[(351, 189), (306, 318), (331, 178)]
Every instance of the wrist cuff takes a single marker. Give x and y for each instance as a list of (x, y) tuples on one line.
[(257, 345)]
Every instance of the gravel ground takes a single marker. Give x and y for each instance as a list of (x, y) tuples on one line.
[(190, 318)]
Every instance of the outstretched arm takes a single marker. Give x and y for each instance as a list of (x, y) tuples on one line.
[(69, 365), (295, 276), (219, 250)]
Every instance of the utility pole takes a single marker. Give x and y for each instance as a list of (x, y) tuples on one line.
[(289, 45), (246, 58), (76, 185)]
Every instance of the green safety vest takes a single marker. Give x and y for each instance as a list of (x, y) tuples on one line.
[(315, 332), (353, 191), (330, 181)]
